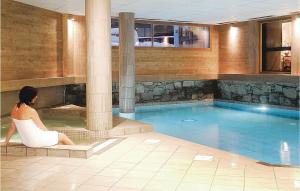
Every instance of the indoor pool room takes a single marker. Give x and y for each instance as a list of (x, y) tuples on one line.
[(148, 95)]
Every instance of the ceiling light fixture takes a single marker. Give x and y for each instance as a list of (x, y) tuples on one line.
[(228, 23), (233, 30), (71, 18)]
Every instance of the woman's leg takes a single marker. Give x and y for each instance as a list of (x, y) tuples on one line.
[(64, 139)]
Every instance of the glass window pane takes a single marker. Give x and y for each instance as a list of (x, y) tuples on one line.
[(163, 36), (286, 34), (273, 34), (143, 34), (286, 61), (192, 37), (278, 61), (276, 46), (114, 32)]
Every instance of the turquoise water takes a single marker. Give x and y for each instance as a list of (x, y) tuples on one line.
[(270, 135)]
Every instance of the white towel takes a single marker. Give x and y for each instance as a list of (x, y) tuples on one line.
[(32, 136)]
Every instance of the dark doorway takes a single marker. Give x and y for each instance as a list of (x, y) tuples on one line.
[(276, 46)]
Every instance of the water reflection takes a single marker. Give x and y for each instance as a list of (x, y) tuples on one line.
[(285, 155)]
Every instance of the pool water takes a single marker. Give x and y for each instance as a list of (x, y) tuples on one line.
[(270, 135)]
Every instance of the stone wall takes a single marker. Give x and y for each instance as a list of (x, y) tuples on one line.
[(165, 91), (260, 92), (162, 91), (273, 93)]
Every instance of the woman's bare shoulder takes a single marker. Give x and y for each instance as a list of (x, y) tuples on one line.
[(14, 110), (30, 110), (22, 112)]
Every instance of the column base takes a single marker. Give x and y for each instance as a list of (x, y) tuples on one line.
[(127, 115)]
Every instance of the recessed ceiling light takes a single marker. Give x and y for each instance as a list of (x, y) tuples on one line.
[(71, 18), (227, 23), (261, 18)]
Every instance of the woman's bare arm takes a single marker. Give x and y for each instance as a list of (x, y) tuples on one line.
[(10, 133), (11, 129), (36, 118)]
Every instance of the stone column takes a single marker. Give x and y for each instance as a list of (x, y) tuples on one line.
[(127, 65), (99, 77), (295, 67)]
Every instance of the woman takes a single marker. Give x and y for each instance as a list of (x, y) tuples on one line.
[(31, 129)]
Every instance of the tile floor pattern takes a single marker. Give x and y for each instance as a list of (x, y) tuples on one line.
[(139, 164)]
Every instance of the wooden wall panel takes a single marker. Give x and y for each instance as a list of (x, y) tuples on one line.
[(74, 46), (38, 43), (80, 46), (157, 63), (173, 63), (296, 46), (31, 42), (254, 46), (238, 48)]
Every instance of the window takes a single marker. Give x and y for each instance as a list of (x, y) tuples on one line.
[(114, 32), (144, 34), (192, 37), (165, 35), (276, 46)]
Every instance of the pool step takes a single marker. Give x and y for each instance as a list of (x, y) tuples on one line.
[(123, 127), (68, 151)]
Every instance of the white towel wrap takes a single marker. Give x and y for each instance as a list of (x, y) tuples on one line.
[(33, 136)]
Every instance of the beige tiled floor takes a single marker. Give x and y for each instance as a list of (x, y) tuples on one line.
[(139, 164)]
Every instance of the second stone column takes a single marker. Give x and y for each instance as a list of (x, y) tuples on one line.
[(127, 65)]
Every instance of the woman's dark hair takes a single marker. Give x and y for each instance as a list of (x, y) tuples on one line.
[(26, 95)]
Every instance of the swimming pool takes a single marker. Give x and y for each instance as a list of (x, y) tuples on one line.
[(265, 134)]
